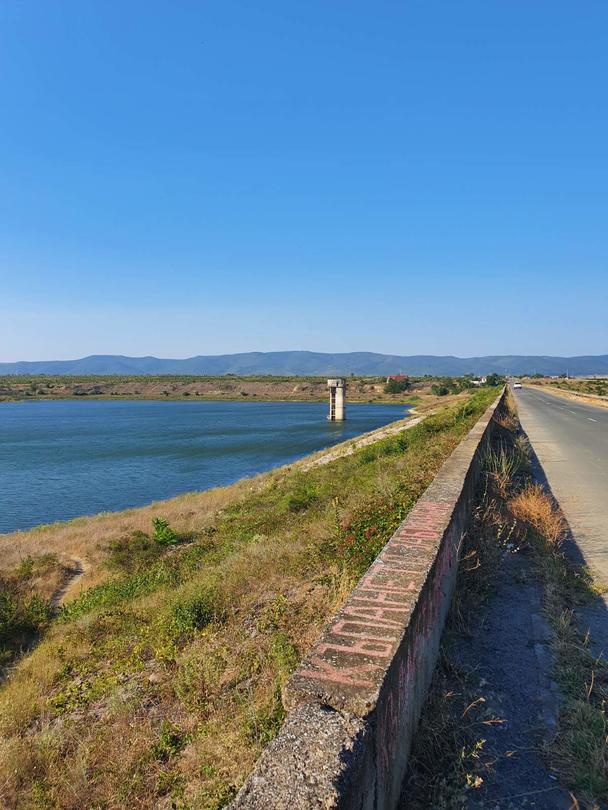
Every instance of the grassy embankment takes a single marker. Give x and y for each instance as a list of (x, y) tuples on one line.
[(595, 387), (595, 391), (514, 511), (226, 388), (161, 683)]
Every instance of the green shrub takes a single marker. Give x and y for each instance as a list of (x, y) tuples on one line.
[(367, 454), (138, 550), (392, 445), (165, 571), (267, 718), (133, 553), (36, 612), (163, 533), (22, 615), (189, 614), (171, 741), (169, 782), (32, 567), (284, 655), (25, 569), (494, 380), (9, 611), (367, 532), (303, 496), (23, 612), (396, 386)]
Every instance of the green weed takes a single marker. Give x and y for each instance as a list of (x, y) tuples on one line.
[(163, 533), (171, 741)]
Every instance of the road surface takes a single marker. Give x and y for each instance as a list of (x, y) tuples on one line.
[(571, 442)]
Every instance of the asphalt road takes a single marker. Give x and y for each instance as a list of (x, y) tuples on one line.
[(571, 441)]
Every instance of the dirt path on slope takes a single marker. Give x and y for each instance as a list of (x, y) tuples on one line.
[(78, 569)]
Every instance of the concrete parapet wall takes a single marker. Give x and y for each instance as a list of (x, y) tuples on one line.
[(355, 701)]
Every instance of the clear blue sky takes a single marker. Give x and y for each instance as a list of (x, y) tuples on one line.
[(211, 176)]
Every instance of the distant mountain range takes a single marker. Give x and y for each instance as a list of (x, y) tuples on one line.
[(315, 363)]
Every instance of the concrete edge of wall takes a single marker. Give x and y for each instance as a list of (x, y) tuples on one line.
[(354, 702)]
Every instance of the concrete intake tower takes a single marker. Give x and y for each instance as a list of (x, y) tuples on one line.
[(337, 399)]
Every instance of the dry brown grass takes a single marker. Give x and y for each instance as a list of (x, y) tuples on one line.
[(507, 420), (86, 539), (219, 692), (535, 507)]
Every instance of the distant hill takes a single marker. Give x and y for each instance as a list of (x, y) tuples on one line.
[(313, 363)]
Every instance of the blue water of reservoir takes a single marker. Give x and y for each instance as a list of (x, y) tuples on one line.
[(63, 459)]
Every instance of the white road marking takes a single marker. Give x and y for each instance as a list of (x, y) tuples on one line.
[(591, 420)]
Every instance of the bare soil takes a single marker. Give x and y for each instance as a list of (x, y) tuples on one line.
[(222, 388)]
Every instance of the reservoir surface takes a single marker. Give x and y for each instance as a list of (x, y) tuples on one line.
[(63, 459)]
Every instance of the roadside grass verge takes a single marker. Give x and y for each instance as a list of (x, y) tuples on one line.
[(160, 684), (579, 750), (593, 387), (514, 513), (577, 391)]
